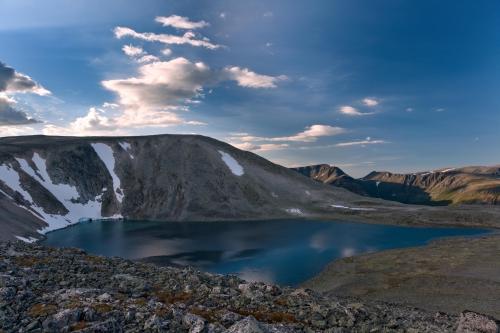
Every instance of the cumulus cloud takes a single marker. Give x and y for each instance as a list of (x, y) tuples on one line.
[(161, 85), (163, 88), (370, 102), (13, 82), (247, 78), (352, 111), (180, 22), (187, 38)]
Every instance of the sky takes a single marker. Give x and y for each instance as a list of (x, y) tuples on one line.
[(365, 85)]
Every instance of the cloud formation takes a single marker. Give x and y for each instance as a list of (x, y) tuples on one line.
[(370, 102), (352, 111), (309, 134), (13, 82), (180, 22), (163, 88), (368, 141), (11, 116), (188, 38), (247, 78)]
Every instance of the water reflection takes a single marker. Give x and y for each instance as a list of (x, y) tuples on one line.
[(285, 252)]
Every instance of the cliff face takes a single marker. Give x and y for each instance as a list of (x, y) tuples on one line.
[(468, 185), (49, 182)]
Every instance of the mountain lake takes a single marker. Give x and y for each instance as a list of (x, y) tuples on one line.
[(285, 252)]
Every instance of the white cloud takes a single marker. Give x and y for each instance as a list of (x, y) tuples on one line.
[(370, 102), (260, 147), (160, 89), (409, 109), (163, 88), (268, 14), (16, 130), (166, 52), (94, 120), (368, 141), (312, 133), (352, 111), (133, 51), (247, 78), (223, 15), (188, 38), (257, 143), (147, 58), (180, 22)]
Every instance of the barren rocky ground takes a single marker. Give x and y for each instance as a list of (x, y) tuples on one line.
[(62, 290)]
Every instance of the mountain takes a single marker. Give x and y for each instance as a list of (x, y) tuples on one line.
[(333, 175), (48, 183), (468, 185)]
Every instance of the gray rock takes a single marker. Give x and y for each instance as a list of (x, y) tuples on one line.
[(247, 325), (472, 322)]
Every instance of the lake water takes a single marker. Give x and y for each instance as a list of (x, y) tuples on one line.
[(286, 252)]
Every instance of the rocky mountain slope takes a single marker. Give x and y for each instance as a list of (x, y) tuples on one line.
[(66, 290), (50, 182), (468, 185)]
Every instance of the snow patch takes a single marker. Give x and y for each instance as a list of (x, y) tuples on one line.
[(66, 194), (353, 208), (106, 155), (377, 183), (127, 147), (295, 211), (308, 193), (11, 178), (232, 164), (27, 240), (447, 170)]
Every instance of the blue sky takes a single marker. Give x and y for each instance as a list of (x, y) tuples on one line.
[(366, 85)]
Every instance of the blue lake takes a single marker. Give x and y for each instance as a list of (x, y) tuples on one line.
[(286, 252)]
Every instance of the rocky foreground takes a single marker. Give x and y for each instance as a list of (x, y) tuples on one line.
[(60, 290)]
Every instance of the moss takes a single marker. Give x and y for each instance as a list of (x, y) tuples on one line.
[(168, 297), (102, 308), (42, 310), (30, 261), (79, 326)]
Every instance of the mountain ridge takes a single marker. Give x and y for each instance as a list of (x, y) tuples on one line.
[(465, 185)]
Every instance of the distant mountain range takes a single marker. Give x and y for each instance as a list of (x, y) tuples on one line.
[(467, 185)]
